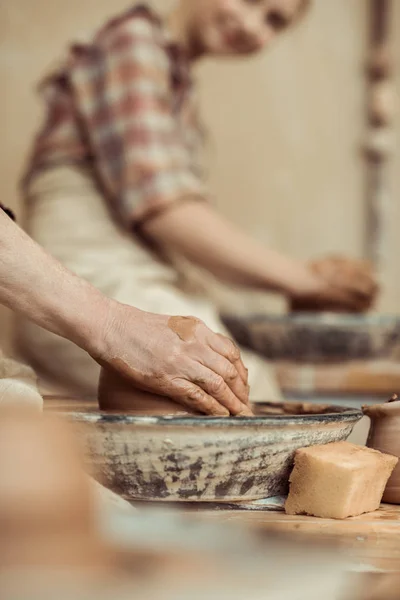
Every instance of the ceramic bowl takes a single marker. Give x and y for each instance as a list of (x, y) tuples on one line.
[(206, 459), (318, 338)]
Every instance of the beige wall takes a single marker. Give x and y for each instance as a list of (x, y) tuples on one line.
[(285, 128)]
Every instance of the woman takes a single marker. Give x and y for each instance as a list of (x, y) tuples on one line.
[(114, 189)]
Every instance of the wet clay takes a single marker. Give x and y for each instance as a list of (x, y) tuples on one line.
[(384, 435), (184, 327), (115, 393), (121, 366)]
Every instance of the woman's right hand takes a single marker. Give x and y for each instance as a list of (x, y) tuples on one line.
[(342, 285), (176, 357)]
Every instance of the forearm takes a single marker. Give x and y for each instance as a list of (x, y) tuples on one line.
[(37, 286), (197, 232)]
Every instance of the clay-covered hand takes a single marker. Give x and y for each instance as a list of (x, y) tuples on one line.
[(345, 285), (176, 357)]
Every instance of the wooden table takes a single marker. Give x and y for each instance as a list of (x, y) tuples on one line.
[(371, 541)]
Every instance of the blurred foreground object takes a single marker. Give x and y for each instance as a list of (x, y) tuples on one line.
[(46, 499), (50, 547)]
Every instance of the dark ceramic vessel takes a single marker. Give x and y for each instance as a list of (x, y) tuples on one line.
[(318, 338)]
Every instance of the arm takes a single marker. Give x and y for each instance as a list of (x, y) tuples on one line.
[(141, 160), (188, 362), (37, 286), (197, 232)]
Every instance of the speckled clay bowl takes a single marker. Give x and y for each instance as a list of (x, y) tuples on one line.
[(205, 459), (318, 337)]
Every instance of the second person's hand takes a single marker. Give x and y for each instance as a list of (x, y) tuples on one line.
[(344, 285)]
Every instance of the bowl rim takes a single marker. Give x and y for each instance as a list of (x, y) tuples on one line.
[(315, 319), (339, 414)]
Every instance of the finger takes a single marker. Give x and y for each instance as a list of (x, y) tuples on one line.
[(215, 386), (232, 353), (368, 283), (364, 266), (338, 298), (244, 376), (230, 350), (333, 299), (196, 399), (220, 366), (358, 285), (326, 268), (356, 276), (351, 301), (351, 275), (227, 348)]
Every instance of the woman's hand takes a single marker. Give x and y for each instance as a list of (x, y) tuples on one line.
[(176, 357), (343, 285)]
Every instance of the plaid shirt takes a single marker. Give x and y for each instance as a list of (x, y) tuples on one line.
[(124, 105)]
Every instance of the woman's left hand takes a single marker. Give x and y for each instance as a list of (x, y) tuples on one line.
[(346, 285)]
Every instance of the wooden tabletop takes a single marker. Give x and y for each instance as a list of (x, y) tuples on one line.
[(371, 541)]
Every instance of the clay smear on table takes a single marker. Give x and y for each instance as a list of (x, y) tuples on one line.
[(384, 435)]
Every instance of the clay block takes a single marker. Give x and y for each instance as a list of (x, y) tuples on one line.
[(338, 480)]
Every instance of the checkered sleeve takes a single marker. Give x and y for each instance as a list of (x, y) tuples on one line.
[(123, 94)]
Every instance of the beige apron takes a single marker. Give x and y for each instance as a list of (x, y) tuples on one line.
[(68, 216)]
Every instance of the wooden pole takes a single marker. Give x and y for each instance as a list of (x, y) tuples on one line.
[(379, 143)]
